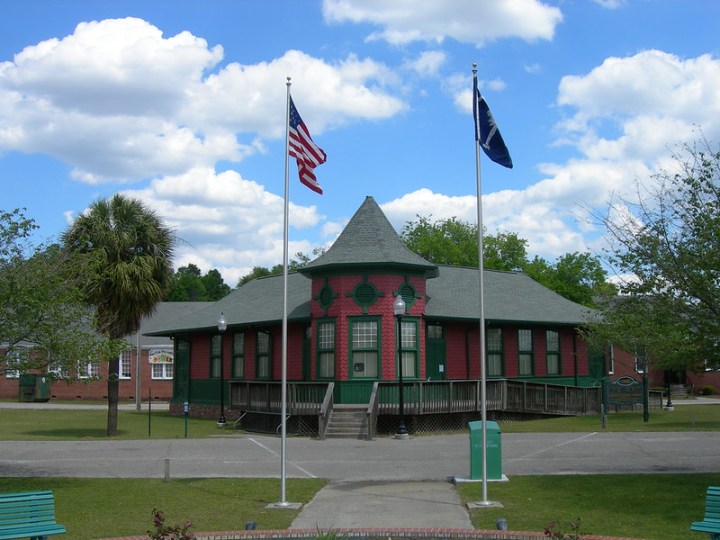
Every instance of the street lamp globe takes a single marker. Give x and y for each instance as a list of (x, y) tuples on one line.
[(399, 306)]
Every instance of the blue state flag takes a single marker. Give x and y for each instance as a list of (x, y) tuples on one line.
[(487, 133)]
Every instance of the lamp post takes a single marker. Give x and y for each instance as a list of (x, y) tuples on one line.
[(222, 326), (399, 311)]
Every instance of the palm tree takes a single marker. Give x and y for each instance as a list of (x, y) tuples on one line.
[(126, 253)]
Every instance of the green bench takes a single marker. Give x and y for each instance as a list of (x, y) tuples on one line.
[(28, 515), (711, 522)]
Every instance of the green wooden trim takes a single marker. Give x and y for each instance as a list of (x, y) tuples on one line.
[(319, 351), (415, 349), (365, 294), (258, 355), (237, 357)]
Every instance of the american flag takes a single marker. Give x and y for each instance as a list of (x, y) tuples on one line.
[(307, 154)]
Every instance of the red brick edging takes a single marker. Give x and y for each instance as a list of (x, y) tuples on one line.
[(454, 534)]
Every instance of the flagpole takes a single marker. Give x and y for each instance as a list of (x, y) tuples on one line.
[(481, 268), (286, 214)]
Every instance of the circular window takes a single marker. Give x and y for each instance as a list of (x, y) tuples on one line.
[(407, 291), (326, 296), (365, 294)]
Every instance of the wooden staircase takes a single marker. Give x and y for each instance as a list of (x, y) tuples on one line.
[(347, 422)]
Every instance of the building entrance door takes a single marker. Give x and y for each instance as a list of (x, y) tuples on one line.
[(435, 352)]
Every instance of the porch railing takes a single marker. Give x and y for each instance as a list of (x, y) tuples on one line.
[(326, 408), (421, 397)]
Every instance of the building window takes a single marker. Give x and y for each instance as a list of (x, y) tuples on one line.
[(262, 355), (326, 349), (162, 371), (525, 352), (552, 348), (89, 370), (215, 356), (365, 294), (408, 294), (161, 362), (409, 347), (434, 331), (364, 348), (611, 359), (126, 358), (238, 355), (494, 345), (14, 360)]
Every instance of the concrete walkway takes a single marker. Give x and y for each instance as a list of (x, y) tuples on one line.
[(358, 505)]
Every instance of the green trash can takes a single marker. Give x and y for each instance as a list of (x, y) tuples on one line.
[(34, 388), (42, 388), (494, 450)]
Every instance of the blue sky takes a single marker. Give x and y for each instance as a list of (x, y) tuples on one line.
[(181, 104)]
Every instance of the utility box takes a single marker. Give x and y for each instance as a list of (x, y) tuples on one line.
[(34, 388), (494, 451)]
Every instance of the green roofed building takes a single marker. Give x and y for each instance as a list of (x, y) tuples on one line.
[(342, 344)]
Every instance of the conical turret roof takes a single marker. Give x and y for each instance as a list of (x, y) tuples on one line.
[(369, 241)]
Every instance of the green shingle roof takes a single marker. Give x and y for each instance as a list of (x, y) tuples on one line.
[(259, 301), (369, 241), (509, 297)]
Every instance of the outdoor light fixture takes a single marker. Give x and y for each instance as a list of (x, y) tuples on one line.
[(399, 311), (222, 326)]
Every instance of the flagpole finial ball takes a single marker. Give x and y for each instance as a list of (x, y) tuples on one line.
[(474, 65)]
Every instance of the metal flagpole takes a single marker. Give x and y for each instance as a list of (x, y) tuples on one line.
[(481, 268), (286, 213)]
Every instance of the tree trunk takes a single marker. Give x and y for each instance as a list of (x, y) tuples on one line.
[(113, 396)]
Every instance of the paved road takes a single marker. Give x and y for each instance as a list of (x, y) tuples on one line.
[(381, 483), (419, 458)]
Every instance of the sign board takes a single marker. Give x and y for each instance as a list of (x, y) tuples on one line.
[(160, 356), (625, 391)]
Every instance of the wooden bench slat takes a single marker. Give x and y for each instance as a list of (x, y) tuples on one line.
[(28, 515)]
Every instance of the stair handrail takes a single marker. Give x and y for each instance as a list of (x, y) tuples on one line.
[(372, 412), (325, 411)]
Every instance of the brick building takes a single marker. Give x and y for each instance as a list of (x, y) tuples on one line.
[(151, 357), (342, 330)]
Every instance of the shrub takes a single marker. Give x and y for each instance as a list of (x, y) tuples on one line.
[(167, 532)]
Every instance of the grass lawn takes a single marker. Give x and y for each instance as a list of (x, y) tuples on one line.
[(63, 424), (683, 418), (101, 508), (654, 507)]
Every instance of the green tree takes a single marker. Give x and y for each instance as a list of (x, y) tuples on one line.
[(450, 241), (579, 277), (187, 285), (668, 244), (215, 286), (127, 253), (294, 265), (504, 251), (39, 294)]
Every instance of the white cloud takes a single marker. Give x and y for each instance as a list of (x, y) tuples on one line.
[(224, 221), (549, 232), (468, 21), (120, 102), (428, 64), (610, 4)]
